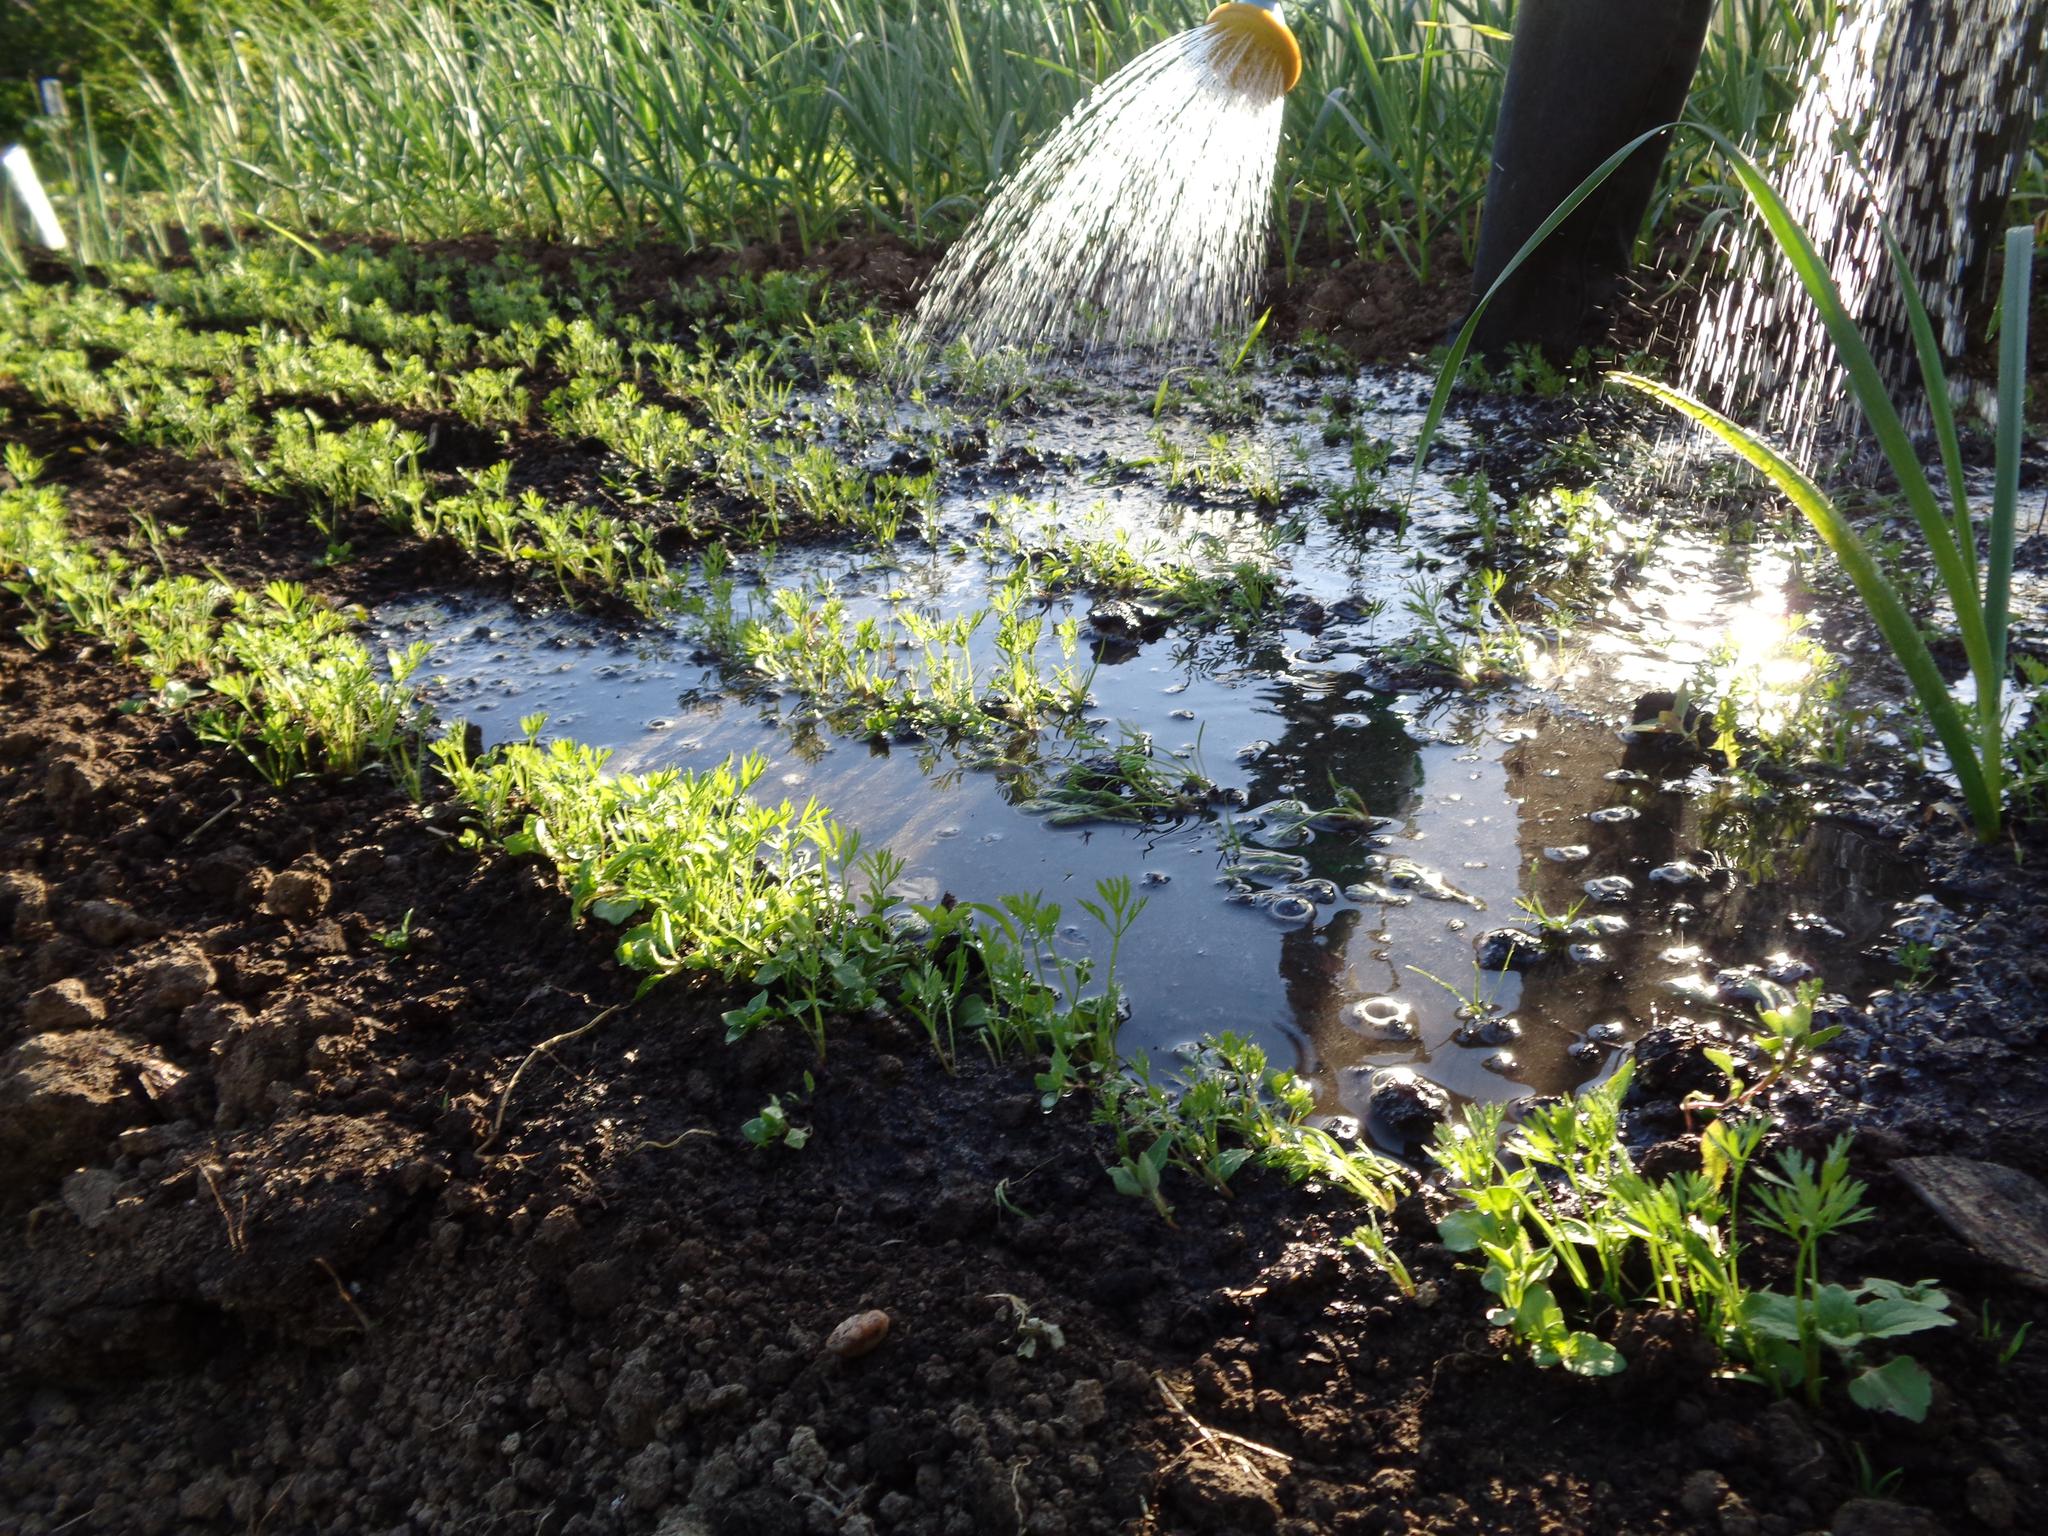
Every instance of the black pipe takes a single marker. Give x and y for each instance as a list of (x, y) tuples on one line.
[(1584, 77)]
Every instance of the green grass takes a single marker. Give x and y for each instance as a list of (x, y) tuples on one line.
[(737, 120), (287, 685)]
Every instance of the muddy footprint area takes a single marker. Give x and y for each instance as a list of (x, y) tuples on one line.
[(272, 1261)]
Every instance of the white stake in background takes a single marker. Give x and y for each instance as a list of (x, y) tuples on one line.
[(21, 175)]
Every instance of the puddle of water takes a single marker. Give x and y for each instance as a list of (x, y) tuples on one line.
[(1477, 799)]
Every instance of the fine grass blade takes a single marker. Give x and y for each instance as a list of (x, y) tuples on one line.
[(1935, 380), (1447, 376), (1878, 594), (2012, 404)]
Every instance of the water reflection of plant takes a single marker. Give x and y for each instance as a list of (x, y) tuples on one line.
[(1467, 630), (1131, 781), (1752, 827)]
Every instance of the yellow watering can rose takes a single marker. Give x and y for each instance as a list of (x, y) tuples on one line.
[(1266, 36)]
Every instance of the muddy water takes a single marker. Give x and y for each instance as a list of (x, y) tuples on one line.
[(1478, 797)]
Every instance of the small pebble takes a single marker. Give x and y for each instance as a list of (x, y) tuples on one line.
[(859, 1335)]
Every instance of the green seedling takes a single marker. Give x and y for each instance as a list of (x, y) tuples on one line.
[(1786, 1039), (1032, 1333), (1870, 1483), (1371, 1241), (1140, 1176), (396, 941), (2004, 1343), (772, 1127), (1557, 1212), (1788, 1335), (1914, 957)]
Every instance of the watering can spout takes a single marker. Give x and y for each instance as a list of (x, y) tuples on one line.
[(1265, 34)]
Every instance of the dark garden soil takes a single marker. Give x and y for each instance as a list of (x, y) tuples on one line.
[(285, 1247), (271, 1262)]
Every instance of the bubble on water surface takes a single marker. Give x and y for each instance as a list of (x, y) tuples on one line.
[(1380, 1018)]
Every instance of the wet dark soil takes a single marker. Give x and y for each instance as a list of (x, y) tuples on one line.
[(272, 1261)]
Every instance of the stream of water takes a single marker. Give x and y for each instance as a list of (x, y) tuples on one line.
[(1141, 221)]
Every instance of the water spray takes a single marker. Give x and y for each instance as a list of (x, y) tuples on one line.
[(1142, 221)]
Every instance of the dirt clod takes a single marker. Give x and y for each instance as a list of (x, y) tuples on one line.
[(1884, 1517), (63, 1097), (66, 1004), (1224, 1496), (108, 924), (1989, 1498), (298, 895)]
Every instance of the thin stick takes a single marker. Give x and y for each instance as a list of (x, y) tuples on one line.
[(666, 1146), (505, 1099), (346, 1299), (236, 1239), (233, 805), (1213, 1435)]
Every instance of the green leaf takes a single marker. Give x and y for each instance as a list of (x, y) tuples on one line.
[(1584, 1355), (615, 909), (1465, 1231), (1898, 1309), (739, 1021), (1836, 1317), (1898, 1386), (1228, 1162), (1772, 1314), (1539, 1316)]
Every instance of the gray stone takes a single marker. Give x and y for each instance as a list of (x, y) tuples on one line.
[(716, 1481), (1086, 1404), (636, 1400), (806, 1464), (1990, 1499), (110, 923), (88, 1195), (1999, 1211)]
